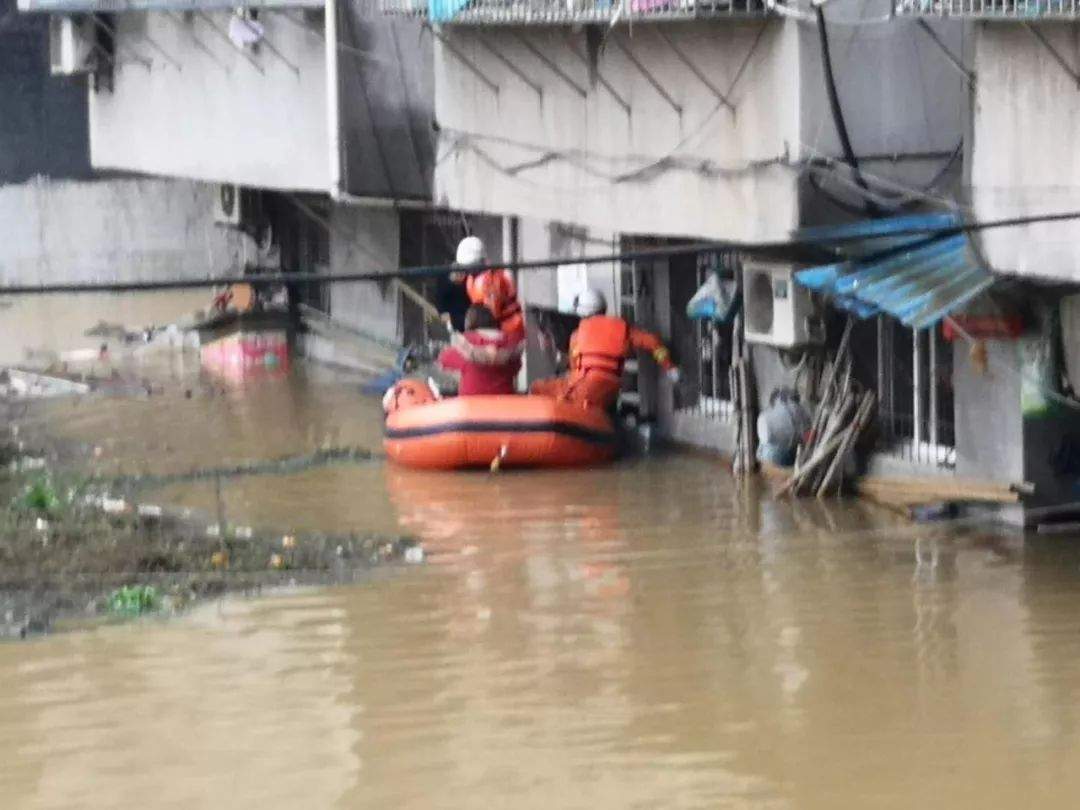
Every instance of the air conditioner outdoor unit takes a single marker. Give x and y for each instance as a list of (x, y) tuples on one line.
[(71, 45), (777, 310), (229, 205)]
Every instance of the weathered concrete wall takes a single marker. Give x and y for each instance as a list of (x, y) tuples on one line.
[(365, 238), (989, 425), (219, 117), (1025, 159), (688, 166), (1070, 335), (651, 170), (112, 230), (387, 104), (43, 119)]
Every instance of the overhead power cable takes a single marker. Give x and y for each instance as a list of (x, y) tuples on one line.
[(838, 112), (435, 271)]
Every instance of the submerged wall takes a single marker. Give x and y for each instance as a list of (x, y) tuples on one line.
[(112, 230), (364, 239)]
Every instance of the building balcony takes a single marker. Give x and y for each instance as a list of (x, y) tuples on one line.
[(1003, 10), (569, 12), (118, 6)]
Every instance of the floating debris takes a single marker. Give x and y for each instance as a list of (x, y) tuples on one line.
[(114, 506)]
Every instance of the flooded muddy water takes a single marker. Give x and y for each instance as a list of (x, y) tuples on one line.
[(58, 323), (647, 635)]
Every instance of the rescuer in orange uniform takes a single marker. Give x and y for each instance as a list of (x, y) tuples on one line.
[(493, 289), (598, 350)]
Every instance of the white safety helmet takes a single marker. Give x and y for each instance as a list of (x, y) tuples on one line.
[(589, 302), (470, 250)]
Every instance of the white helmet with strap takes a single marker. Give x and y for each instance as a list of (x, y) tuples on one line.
[(589, 302), (470, 250)]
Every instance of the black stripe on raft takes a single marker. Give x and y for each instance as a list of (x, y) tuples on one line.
[(561, 428)]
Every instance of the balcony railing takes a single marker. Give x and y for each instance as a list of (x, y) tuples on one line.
[(1019, 10), (558, 12), (118, 6)]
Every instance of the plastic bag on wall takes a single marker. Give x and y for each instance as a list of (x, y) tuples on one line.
[(715, 300), (245, 32), (1037, 376)]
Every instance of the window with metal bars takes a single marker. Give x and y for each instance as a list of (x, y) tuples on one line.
[(703, 348)]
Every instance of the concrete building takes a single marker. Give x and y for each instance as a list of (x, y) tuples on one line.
[(348, 138), (702, 121), (1022, 62), (308, 127), (63, 220), (643, 124)]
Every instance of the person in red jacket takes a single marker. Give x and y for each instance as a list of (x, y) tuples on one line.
[(598, 350), (493, 289), (487, 358)]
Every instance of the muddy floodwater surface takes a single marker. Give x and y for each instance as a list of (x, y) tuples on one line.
[(646, 635)]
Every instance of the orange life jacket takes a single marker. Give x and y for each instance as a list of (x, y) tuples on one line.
[(600, 343)]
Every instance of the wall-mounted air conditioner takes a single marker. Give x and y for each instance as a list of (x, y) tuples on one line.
[(230, 204), (71, 45), (777, 310)]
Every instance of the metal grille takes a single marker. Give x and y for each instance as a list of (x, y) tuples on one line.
[(548, 12), (1024, 10), (914, 393), (707, 390)]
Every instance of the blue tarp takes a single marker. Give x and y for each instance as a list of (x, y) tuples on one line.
[(916, 278)]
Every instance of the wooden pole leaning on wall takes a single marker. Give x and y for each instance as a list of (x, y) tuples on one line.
[(842, 416)]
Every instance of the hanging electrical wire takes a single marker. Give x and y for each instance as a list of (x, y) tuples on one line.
[(805, 245), (872, 208)]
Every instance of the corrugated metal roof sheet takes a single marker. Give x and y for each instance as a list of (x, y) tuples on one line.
[(918, 280)]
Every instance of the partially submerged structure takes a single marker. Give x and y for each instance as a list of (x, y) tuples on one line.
[(341, 135)]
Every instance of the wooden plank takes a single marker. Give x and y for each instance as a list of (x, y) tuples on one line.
[(933, 488)]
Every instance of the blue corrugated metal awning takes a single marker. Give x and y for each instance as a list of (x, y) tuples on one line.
[(916, 279)]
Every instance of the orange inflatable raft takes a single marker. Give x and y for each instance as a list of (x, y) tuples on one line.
[(517, 431)]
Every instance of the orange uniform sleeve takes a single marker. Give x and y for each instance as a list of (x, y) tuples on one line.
[(643, 341)]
